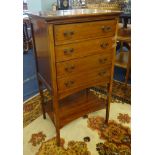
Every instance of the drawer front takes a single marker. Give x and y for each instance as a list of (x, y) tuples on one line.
[(81, 65), (81, 49), (93, 77), (74, 32)]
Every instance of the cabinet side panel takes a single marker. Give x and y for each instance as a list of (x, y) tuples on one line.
[(40, 34)]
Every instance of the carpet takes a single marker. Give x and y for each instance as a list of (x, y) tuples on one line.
[(120, 91), (87, 135), (32, 108)]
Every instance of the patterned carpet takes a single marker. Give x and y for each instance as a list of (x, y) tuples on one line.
[(117, 136), (32, 108), (94, 137), (120, 91)]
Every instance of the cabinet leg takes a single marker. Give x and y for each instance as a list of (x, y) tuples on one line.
[(58, 136), (108, 102), (56, 118), (42, 98)]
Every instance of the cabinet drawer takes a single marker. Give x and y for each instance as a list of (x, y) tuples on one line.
[(74, 32), (81, 65), (84, 48), (91, 77)]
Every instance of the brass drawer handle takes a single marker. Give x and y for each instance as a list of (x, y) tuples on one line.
[(69, 84), (68, 51), (106, 28), (102, 61), (104, 45), (71, 32), (70, 68), (102, 73), (68, 33)]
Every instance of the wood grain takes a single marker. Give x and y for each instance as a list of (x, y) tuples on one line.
[(82, 65), (91, 76), (83, 48), (40, 33), (71, 32), (70, 110)]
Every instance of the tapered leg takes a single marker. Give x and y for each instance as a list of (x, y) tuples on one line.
[(108, 102), (58, 136), (56, 118), (42, 98)]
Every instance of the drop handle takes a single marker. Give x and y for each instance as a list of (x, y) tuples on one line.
[(104, 45), (102, 61), (102, 73), (69, 68), (106, 28), (68, 84), (68, 51), (68, 33)]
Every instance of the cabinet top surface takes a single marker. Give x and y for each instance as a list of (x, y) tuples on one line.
[(74, 13)]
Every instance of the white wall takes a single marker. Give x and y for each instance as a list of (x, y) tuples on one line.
[(34, 5), (47, 4), (40, 5)]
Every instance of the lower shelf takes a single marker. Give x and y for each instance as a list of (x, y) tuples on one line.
[(76, 105)]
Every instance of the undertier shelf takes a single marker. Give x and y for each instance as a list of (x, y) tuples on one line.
[(75, 106)]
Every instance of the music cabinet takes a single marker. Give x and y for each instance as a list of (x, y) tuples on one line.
[(74, 50)]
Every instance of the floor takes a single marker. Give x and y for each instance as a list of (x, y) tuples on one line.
[(30, 86), (38, 139)]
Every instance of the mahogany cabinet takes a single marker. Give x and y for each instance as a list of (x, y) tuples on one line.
[(74, 51)]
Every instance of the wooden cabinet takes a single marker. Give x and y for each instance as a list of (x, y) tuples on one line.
[(74, 51)]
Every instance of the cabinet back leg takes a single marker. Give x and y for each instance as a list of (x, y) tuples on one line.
[(42, 98), (108, 102), (58, 136)]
